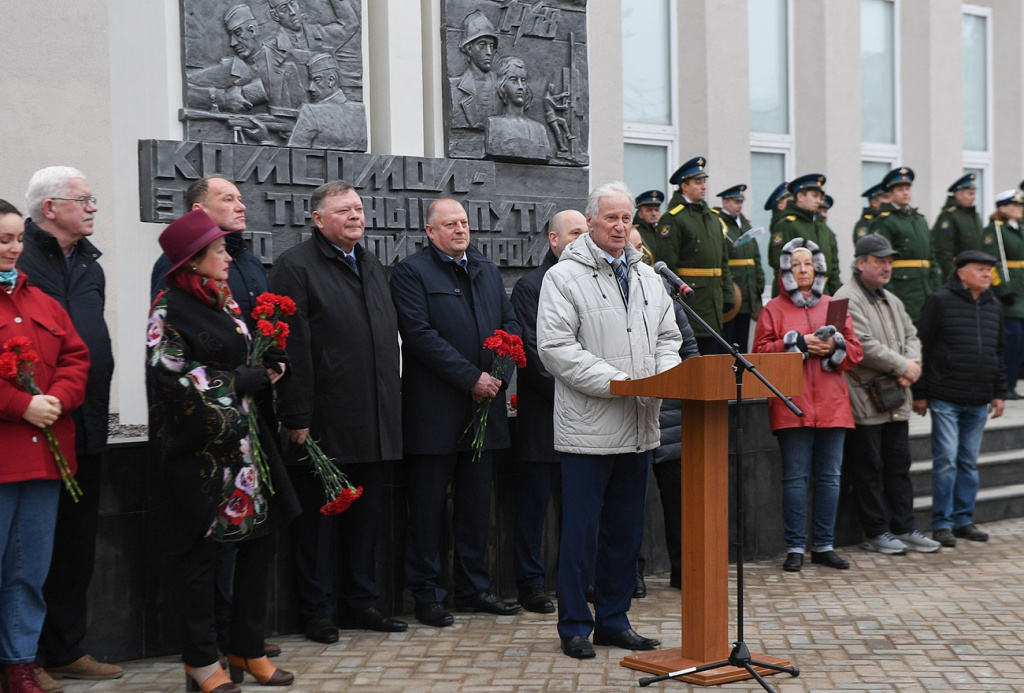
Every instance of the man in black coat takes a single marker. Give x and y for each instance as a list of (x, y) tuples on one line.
[(963, 380), (449, 299), (539, 465), (60, 260), (343, 389), (221, 199)]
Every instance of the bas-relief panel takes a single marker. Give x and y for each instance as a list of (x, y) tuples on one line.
[(274, 72), (516, 80)]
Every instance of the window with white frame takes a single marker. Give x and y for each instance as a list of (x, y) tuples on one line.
[(648, 93), (879, 91), (977, 156), (769, 32)]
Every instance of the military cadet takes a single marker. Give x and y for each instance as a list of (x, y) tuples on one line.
[(876, 195), (1004, 239), (776, 202), (958, 226), (648, 212), (693, 242), (826, 204), (915, 274), (745, 265), (800, 220)]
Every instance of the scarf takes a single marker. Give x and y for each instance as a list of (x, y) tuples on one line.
[(8, 279)]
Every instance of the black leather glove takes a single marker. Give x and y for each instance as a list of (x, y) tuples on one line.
[(250, 379), (273, 358)]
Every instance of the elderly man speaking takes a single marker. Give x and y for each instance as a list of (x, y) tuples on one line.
[(603, 315)]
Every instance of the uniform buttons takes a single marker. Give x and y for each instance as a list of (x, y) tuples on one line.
[(458, 291)]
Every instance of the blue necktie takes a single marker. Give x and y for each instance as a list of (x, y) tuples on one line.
[(351, 261), (620, 273)]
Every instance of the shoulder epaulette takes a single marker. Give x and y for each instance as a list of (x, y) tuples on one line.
[(869, 216), (716, 210), (791, 217), (676, 210), (951, 208), (883, 215)]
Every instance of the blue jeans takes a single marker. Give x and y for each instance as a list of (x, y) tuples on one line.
[(807, 450), (603, 500), (956, 441), (28, 515)]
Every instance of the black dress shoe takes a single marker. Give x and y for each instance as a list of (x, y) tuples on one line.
[(271, 650), (1012, 394), (579, 647), (829, 559), (944, 537), (488, 602), (970, 532), (675, 580), (535, 599), (794, 562), (640, 590), (434, 614), (627, 639), (371, 619), (320, 629)]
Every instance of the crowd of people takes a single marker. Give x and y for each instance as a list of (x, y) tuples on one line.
[(381, 368)]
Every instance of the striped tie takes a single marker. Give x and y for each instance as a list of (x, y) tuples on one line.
[(620, 273)]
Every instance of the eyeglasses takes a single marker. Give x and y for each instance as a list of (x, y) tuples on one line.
[(84, 201)]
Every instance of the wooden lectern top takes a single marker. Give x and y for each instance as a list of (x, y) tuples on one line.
[(710, 378)]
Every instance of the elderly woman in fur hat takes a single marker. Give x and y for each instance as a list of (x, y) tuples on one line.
[(795, 321)]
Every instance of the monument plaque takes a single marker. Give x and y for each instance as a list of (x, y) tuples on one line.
[(274, 72), (517, 80)]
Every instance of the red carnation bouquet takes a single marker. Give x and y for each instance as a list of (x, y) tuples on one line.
[(271, 333), (508, 350), (340, 492), (17, 362)]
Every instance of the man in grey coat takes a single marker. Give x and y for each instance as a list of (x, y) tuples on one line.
[(603, 315), (877, 452)]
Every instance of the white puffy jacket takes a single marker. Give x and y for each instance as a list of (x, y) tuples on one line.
[(587, 337)]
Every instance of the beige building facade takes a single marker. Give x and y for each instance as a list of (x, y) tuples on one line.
[(765, 89)]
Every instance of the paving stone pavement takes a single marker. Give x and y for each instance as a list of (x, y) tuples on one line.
[(950, 621)]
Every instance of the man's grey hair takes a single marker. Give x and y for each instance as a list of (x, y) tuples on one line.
[(616, 187), (329, 189), (46, 183)]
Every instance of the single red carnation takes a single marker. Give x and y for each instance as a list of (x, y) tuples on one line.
[(9, 365), (343, 502), (265, 328), (286, 304), (17, 344), (513, 402)]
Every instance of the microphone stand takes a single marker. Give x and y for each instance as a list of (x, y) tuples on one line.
[(739, 657)]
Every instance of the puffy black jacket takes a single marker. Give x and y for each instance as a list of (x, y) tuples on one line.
[(961, 346), (81, 288)]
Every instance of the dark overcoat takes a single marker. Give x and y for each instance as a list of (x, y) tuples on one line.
[(535, 437), (444, 315), (81, 288), (343, 382), (198, 424)]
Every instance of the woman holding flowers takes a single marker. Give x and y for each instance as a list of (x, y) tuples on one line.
[(40, 351), (213, 486)]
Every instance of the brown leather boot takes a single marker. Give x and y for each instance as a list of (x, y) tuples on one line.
[(260, 669)]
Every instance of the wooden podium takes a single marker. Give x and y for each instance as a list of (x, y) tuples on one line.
[(705, 385)]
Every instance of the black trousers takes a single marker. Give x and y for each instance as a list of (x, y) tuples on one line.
[(878, 459), (709, 345), (670, 487), (343, 544), (429, 477), (737, 331), (538, 481), (197, 574), (74, 554)]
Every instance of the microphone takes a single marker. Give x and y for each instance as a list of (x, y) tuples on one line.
[(673, 279)]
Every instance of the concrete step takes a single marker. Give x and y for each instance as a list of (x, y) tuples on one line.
[(999, 436), (995, 503), (994, 469)]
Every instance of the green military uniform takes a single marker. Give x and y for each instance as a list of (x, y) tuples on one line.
[(744, 261), (695, 244), (956, 229), (1010, 281), (915, 274), (652, 240), (777, 214), (863, 225), (797, 222)]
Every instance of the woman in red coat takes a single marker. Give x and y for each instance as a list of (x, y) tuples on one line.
[(29, 478), (795, 321)]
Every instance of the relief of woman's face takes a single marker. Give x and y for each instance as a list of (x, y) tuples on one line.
[(514, 85)]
